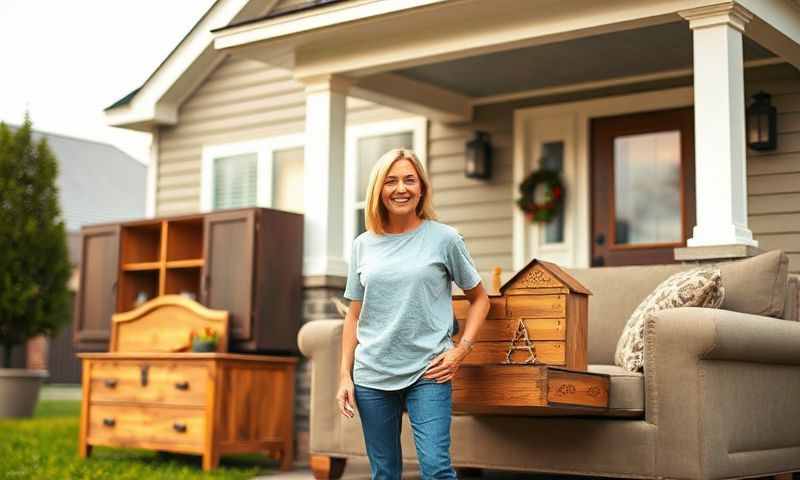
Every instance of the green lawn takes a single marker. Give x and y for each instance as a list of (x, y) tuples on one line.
[(45, 447)]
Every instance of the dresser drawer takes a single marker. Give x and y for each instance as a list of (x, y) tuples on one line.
[(173, 383), (146, 425)]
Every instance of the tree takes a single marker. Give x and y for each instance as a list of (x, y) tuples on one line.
[(34, 264)]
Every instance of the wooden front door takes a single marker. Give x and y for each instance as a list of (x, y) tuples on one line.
[(643, 200)]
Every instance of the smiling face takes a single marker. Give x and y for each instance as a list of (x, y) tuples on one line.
[(402, 189)]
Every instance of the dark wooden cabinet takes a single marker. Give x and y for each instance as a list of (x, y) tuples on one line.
[(96, 296), (246, 261)]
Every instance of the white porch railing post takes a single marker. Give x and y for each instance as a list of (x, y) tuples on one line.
[(719, 113), (324, 176)]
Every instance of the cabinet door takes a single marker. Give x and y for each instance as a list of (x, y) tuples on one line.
[(96, 297), (228, 268)]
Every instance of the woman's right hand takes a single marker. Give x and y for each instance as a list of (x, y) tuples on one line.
[(346, 397)]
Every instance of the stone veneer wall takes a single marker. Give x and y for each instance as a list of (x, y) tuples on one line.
[(318, 294)]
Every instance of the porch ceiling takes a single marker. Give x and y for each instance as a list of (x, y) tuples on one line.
[(647, 50)]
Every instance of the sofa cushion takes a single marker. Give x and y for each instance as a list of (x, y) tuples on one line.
[(757, 284), (698, 287), (625, 393)]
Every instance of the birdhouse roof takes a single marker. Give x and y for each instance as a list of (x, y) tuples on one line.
[(554, 270)]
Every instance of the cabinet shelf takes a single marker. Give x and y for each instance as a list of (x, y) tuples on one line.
[(189, 263), (140, 266)]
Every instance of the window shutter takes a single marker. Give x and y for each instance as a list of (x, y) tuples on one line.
[(236, 181)]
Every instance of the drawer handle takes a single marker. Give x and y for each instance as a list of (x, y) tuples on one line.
[(109, 422), (179, 427), (143, 374), (182, 385), (110, 382)]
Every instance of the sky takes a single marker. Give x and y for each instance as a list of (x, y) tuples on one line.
[(64, 61)]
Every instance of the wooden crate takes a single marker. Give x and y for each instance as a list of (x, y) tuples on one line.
[(528, 390)]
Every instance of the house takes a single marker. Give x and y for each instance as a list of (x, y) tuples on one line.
[(97, 182), (639, 105)]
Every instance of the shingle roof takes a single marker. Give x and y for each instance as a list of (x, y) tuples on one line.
[(97, 182), (299, 7), (124, 100)]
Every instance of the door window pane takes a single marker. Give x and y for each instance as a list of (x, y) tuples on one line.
[(553, 159), (287, 183), (370, 150), (235, 181), (647, 188)]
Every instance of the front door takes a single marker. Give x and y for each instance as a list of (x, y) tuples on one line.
[(643, 200)]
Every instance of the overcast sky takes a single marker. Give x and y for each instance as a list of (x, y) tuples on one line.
[(66, 60)]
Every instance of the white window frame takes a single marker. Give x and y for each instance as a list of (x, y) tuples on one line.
[(418, 126), (264, 149)]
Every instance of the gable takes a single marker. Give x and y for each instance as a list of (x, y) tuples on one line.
[(533, 277)]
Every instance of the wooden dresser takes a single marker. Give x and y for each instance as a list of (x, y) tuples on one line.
[(530, 354), (145, 393)]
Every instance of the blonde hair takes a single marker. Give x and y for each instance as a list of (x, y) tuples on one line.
[(375, 213)]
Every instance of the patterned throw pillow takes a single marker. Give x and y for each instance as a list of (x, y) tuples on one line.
[(698, 287)]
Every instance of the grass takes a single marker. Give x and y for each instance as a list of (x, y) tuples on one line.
[(45, 447)]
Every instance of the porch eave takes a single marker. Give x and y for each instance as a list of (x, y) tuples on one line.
[(343, 41)]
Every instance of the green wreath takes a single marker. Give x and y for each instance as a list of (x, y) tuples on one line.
[(554, 196)]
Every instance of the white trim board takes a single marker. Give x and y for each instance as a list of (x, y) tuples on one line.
[(578, 208)]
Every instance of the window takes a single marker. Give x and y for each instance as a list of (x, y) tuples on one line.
[(365, 145), (553, 159), (263, 173)]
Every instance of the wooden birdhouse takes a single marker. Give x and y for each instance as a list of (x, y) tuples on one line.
[(530, 354), (539, 317)]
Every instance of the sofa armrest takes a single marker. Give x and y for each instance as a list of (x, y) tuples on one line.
[(321, 342), (714, 334), (317, 335), (720, 383)]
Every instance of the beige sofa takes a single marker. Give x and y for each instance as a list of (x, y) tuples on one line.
[(719, 398)]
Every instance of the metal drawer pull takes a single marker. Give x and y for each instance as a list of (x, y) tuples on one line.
[(182, 385), (110, 382), (109, 422), (143, 375), (179, 427)]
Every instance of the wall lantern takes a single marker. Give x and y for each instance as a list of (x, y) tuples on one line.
[(762, 131), (479, 157)]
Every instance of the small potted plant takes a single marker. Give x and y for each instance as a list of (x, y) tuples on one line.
[(205, 340)]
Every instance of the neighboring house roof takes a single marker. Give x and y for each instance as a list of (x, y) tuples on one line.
[(97, 182)]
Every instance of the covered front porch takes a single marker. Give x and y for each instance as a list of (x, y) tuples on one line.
[(639, 105)]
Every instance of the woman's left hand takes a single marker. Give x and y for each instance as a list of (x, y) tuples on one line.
[(445, 365)]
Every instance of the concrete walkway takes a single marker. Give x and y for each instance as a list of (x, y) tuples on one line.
[(359, 470)]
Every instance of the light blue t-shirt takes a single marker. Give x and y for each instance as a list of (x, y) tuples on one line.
[(403, 281)]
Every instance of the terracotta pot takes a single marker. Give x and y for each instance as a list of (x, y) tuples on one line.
[(19, 391)]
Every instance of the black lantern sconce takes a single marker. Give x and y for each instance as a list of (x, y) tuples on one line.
[(479, 157), (762, 123)]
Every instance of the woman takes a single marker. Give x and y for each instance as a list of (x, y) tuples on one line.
[(397, 334)]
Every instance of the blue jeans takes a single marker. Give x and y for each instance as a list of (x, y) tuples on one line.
[(429, 406)]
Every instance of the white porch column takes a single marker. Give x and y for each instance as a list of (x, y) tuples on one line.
[(324, 176), (719, 114)]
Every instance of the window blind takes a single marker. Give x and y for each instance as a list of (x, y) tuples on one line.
[(235, 181)]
